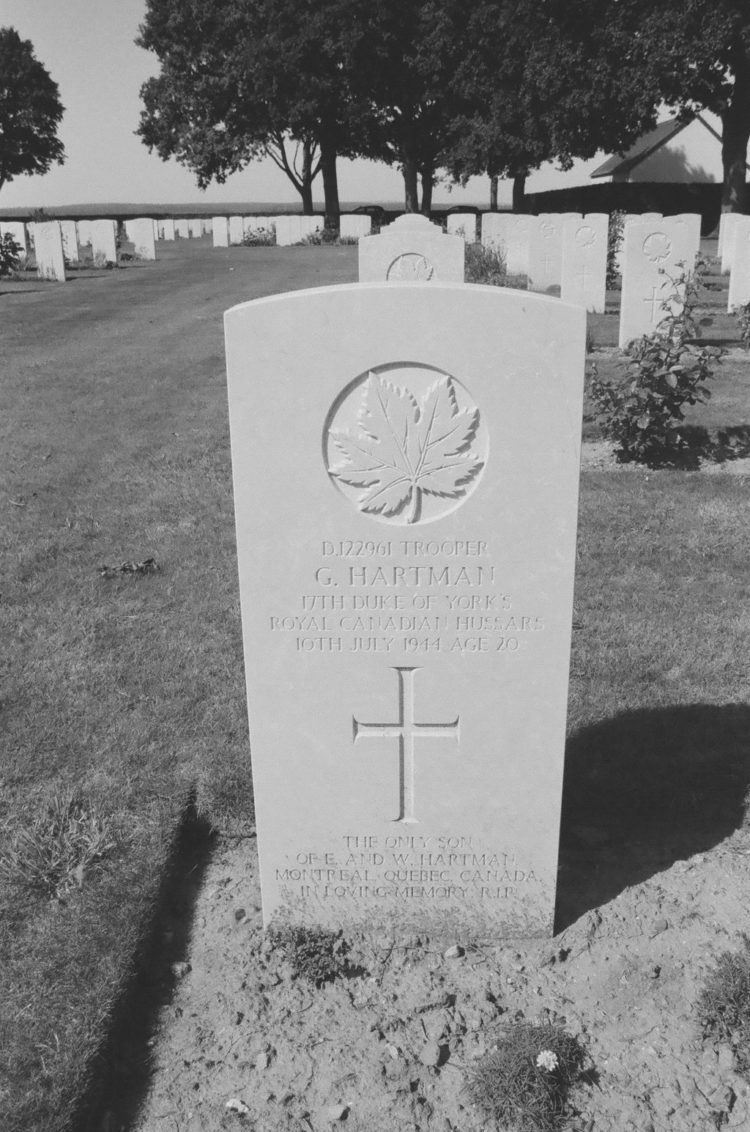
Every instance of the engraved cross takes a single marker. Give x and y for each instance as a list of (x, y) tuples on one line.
[(584, 275), (406, 730), (656, 301)]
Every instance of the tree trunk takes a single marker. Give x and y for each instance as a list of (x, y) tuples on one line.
[(519, 191), (411, 195), (735, 133), (493, 193), (306, 179), (330, 184), (426, 177)]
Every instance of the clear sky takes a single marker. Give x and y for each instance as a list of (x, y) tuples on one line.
[(87, 47)]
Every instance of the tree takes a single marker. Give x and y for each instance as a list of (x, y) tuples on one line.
[(693, 55), (30, 111), (539, 80), (239, 79)]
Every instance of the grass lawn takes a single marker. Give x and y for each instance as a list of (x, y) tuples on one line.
[(123, 693)]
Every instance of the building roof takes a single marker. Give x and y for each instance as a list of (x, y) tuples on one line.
[(646, 145)]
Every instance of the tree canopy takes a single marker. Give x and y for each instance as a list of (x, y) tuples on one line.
[(30, 111)]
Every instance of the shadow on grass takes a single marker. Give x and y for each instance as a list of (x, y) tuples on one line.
[(644, 790), (123, 1067)]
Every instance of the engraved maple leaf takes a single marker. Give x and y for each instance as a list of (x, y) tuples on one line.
[(404, 448)]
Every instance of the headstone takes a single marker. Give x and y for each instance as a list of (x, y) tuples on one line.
[(354, 225), (288, 230), (84, 232), (182, 229), (70, 240), (141, 236), (17, 231), (104, 241), (195, 228), (584, 261), (462, 224), (169, 230), (649, 216), (651, 264), (48, 251), (687, 233), (739, 279), (411, 249), (494, 229), (309, 225), (221, 232), (731, 220), (207, 226), (545, 252), (406, 598), (518, 242), (236, 230)]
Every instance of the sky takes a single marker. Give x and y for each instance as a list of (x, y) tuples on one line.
[(87, 47)]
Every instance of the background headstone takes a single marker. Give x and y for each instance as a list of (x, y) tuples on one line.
[(517, 243), (141, 236), (584, 261), (195, 228), (411, 249), (407, 633), (352, 226), (83, 228), (17, 230), (48, 250), (739, 279), (221, 232), (104, 241), (182, 229), (545, 252), (686, 227), (70, 240), (650, 262), (236, 229), (731, 220), (462, 224), (494, 229), (168, 230)]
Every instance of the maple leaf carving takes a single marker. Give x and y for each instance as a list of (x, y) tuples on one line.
[(404, 448)]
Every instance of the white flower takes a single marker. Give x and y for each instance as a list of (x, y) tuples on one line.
[(547, 1060)]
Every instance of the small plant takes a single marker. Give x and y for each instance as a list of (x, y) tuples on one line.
[(523, 1083), (485, 263), (614, 243), (321, 236), (315, 954), (10, 255), (259, 238), (53, 854), (665, 371), (724, 1004), (742, 314)]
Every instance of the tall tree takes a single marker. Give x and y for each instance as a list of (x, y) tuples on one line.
[(30, 111), (239, 78)]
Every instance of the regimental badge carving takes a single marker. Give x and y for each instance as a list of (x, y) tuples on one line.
[(585, 236), (657, 247), (548, 230), (409, 267), (405, 444)]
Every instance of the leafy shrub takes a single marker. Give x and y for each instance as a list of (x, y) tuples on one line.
[(259, 238), (523, 1083), (614, 243), (52, 855), (724, 1004), (321, 236), (484, 263), (666, 370), (742, 314), (10, 255), (315, 954)]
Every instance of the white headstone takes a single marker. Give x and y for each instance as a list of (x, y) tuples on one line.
[(70, 240), (731, 220), (221, 232), (17, 231), (584, 261), (411, 249), (236, 229), (207, 226), (687, 232), (518, 242), (739, 279), (288, 230), (182, 230), (309, 225), (168, 230), (48, 250), (352, 226), (545, 252), (195, 228), (462, 224), (142, 237), (406, 598), (84, 232), (651, 264), (104, 241), (495, 227)]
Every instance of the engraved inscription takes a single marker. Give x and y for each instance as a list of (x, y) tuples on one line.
[(406, 730), (405, 451), (409, 267)]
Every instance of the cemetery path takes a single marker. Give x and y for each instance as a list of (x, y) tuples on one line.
[(245, 1044)]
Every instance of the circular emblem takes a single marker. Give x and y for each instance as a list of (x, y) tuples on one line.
[(657, 247), (405, 443), (409, 267), (585, 236)]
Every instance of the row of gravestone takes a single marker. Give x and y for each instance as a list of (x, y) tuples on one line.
[(284, 230), (565, 250)]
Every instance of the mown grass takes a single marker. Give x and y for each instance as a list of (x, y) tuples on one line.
[(129, 690)]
